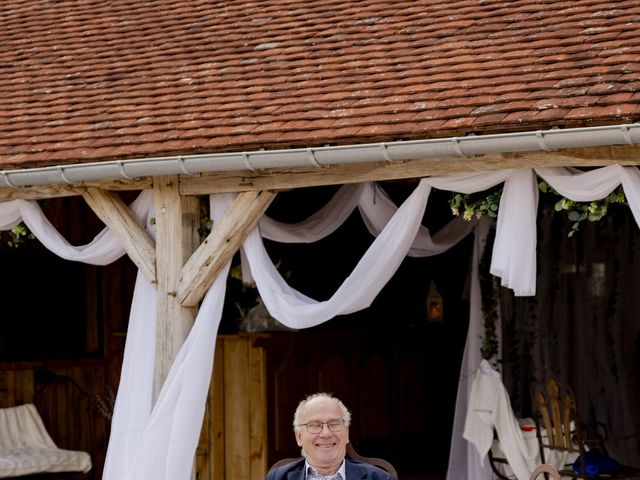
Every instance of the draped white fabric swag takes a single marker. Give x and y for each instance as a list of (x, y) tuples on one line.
[(158, 441)]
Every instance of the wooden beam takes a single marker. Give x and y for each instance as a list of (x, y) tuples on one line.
[(219, 247), (177, 222), (273, 179), (379, 171), (115, 214), (38, 192)]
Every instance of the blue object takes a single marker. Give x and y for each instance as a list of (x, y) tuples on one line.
[(596, 463)]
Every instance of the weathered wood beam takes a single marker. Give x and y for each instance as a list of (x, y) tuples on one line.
[(115, 214), (219, 247), (338, 174), (177, 222), (357, 172), (54, 191)]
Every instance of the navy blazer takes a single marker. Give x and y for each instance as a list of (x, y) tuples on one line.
[(353, 470)]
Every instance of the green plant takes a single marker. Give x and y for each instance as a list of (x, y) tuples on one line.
[(18, 235), (487, 205), (579, 211), (474, 206), (489, 298), (206, 224)]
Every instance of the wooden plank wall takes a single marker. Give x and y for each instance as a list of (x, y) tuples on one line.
[(234, 433)]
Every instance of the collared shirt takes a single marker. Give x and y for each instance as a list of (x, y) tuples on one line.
[(310, 472)]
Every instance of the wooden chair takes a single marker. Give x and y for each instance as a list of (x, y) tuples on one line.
[(546, 470), (353, 455), (554, 406)]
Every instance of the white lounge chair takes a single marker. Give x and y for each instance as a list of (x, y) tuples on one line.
[(27, 448)]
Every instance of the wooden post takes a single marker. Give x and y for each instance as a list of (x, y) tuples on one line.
[(177, 219)]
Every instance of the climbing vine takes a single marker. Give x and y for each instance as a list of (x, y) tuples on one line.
[(489, 298)]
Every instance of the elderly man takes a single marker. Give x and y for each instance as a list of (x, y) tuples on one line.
[(321, 426)]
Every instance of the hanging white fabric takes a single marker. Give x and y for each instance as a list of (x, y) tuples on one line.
[(104, 249), (464, 461)]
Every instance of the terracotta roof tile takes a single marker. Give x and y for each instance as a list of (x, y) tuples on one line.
[(457, 123), (90, 80)]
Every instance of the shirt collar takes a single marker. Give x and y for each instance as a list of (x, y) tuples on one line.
[(341, 470)]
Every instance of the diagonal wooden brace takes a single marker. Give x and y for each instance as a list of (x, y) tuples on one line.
[(140, 247), (219, 247)]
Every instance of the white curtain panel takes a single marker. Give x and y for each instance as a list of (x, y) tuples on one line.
[(158, 441), (464, 462)]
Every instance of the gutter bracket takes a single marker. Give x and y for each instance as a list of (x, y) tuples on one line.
[(541, 141), (458, 148), (312, 158), (626, 133), (247, 162), (5, 175), (122, 171), (63, 176), (385, 152), (184, 169)]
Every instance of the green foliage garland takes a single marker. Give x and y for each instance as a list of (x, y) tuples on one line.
[(580, 211), (487, 205)]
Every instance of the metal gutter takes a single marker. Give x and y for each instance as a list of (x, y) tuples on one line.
[(540, 140)]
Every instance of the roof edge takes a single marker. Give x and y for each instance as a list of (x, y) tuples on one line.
[(463, 146)]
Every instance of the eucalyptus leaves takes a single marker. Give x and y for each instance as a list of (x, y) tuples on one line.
[(472, 206), (487, 206), (580, 211)]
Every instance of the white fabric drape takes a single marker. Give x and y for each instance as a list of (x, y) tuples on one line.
[(104, 249), (464, 461), (158, 441)]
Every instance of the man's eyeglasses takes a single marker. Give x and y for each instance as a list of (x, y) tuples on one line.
[(316, 427)]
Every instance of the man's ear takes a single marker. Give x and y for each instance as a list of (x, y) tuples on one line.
[(298, 434)]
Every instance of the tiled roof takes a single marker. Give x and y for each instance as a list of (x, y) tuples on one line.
[(87, 80)]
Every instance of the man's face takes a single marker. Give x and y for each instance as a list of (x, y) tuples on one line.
[(325, 450)]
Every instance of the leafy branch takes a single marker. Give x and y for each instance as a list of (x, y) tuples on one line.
[(474, 206)]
